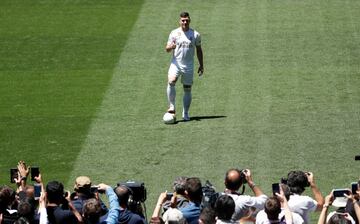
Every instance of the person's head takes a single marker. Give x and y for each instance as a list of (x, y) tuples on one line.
[(233, 179), (193, 189), (207, 216), (184, 21), (286, 191), (91, 211), (272, 208), (26, 210), (82, 185), (55, 192), (174, 216), (7, 197), (297, 181), (123, 193), (224, 207), (179, 185), (340, 218)]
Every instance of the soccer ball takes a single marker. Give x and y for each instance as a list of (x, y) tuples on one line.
[(169, 118)]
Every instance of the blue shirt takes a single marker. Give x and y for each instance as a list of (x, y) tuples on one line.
[(191, 213)]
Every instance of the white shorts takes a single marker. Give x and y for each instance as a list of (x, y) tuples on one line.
[(186, 77)]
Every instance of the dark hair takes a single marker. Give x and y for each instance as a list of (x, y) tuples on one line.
[(337, 218), (224, 207), (184, 14), (55, 192), (7, 196), (272, 208), (297, 181), (26, 210), (179, 185), (233, 183), (194, 189), (286, 191), (207, 216), (91, 211)]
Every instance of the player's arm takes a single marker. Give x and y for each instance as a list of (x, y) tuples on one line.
[(170, 46), (199, 54)]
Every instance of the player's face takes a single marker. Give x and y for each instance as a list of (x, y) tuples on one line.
[(185, 23)]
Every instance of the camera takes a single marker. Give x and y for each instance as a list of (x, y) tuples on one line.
[(169, 196), (243, 177), (137, 188)]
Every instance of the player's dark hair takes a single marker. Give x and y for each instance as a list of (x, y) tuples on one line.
[(184, 14)]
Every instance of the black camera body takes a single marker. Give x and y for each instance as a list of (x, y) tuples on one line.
[(138, 190)]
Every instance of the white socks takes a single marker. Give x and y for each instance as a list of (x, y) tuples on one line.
[(187, 100), (171, 94)]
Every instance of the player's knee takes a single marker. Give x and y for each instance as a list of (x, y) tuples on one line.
[(187, 88)]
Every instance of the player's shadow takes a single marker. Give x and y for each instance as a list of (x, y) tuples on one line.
[(200, 118)]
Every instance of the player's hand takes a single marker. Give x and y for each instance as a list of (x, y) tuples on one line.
[(201, 71)]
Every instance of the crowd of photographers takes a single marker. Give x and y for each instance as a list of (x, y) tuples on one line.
[(190, 202)]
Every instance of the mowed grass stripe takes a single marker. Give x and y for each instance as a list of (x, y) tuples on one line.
[(57, 59)]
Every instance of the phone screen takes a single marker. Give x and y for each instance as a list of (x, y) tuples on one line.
[(275, 188), (34, 172)]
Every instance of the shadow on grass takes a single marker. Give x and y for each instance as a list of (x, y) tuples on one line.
[(200, 118)]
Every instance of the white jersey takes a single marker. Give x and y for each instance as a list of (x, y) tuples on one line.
[(183, 54)]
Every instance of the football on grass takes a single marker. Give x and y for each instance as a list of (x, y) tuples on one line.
[(169, 118)]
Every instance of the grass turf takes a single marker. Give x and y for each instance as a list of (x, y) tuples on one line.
[(280, 92)]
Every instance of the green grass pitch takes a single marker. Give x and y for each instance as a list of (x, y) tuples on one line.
[(82, 91)]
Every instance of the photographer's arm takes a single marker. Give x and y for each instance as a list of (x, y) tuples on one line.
[(73, 209), (328, 200), (114, 210), (160, 202), (284, 204), (257, 191), (316, 192)]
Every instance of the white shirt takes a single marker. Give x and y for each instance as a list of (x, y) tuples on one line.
[(261, 217), (243, 204), (186, 42), (302, 205)]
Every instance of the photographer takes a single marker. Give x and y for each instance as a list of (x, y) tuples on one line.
[(92, 212), (126, 215), (303, 205), (244, 204), (83, 192)]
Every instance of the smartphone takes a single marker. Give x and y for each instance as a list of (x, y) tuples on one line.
[(13, 174), (275, 188), (357, 157), (169, 196), (340, 192), (37, 191), (354, 187), (34, 172)]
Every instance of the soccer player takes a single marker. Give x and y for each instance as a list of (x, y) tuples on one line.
[(182, 43)]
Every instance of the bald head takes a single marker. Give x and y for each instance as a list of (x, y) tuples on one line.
[(233, 179)]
